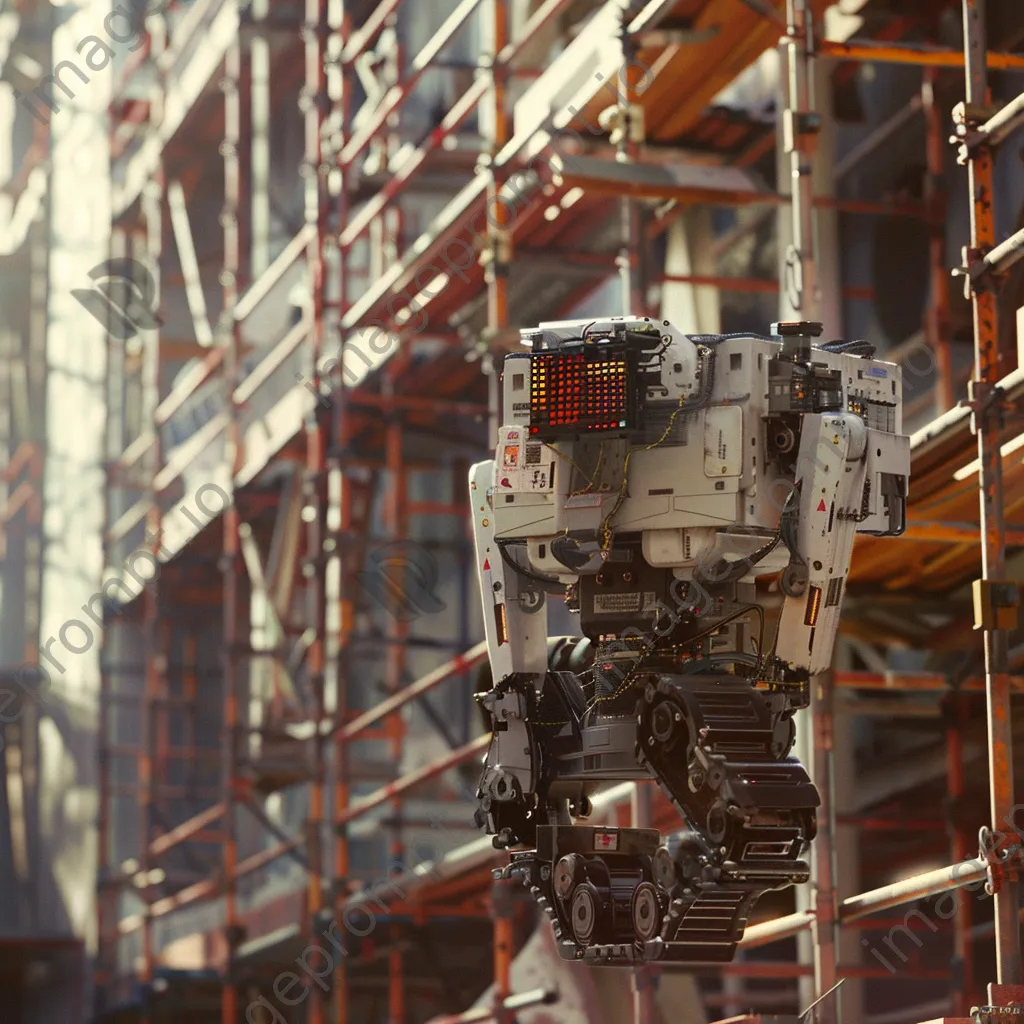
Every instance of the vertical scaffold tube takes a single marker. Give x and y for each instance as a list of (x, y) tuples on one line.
[(990, 488)]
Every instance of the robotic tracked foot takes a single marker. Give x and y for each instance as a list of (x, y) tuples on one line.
[(614, 897)]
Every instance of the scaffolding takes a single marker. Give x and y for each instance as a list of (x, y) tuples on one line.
[(345, 448)]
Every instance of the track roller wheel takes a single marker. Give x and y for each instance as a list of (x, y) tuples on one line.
[(646, 910)]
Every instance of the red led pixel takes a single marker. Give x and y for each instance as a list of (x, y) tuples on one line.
[(579, 392)]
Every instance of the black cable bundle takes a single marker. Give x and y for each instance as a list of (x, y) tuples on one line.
[(850, 348)]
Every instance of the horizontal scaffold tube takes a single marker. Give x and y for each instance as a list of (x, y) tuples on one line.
[(486, 1014), (931, 883)]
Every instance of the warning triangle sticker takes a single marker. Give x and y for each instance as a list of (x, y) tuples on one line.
[(821, 505), (487, 564)]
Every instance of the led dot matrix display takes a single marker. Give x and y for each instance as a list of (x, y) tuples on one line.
[(576, 392)]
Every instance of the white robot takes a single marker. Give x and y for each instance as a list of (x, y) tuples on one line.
[(694, 499)]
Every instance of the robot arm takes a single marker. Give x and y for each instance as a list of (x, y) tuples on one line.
[(848, 476), (515, 615), (515, 625)]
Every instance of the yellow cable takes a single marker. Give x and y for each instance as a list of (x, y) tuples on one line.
[(606, 530), (571, 462), (597, 472), (711, 630)]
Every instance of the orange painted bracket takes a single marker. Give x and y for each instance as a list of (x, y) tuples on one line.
[(1005, 995)]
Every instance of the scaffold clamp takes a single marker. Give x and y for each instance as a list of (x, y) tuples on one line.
[(967, 134), (996, 604), (996, 1014), (982, 398), (974, 270), (1001, 861)]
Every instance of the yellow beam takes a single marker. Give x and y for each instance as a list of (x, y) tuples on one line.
[(929, 56), (954, 533)]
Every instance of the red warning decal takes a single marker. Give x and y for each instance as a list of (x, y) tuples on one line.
[(821, 505), (487, 564)]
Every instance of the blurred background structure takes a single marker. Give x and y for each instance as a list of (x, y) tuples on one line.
[(259, 261)]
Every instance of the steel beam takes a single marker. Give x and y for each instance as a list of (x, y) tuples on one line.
[(408, 694), (259, 142), (907, 681), (231, 568), (907, 53), (185, 830), (431, 771), (363, 36), (261, 287), (959, 845), (403, 175), (954, 533), (496, 276), (878, 136), (189, 264), (631, 260), (209, 888), (936, 325), (339, 498), (397, 94)]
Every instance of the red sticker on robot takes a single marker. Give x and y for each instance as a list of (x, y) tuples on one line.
[(821, 505), (606, 840)]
